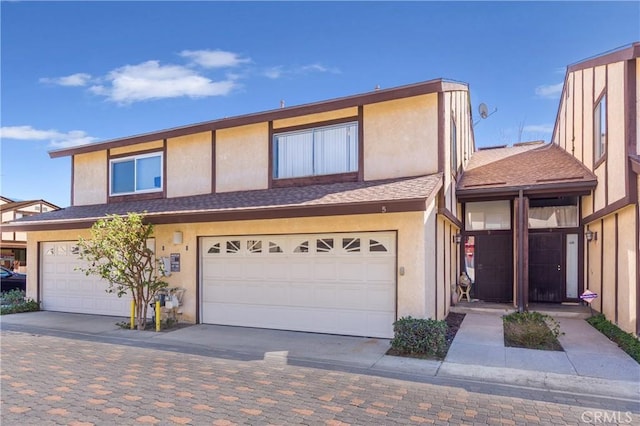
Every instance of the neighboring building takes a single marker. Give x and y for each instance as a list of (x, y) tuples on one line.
[(14, 244), (597, 123), (335, 217)]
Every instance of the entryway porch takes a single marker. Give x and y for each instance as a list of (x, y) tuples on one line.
[(559, 310)]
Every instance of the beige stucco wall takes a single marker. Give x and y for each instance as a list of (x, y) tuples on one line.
[(627, 251), (428, 261), (242, 158), (578, 133), (189, 165), (594, 265), (637, 106), (315, 118), (607, 292), (138, 147), (447, 264), (587, 116), (616, 141), (416, 245), (456, 107), (405, 130), (90, 178)]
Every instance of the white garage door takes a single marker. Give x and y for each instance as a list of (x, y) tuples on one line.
[(65, 289), (328, 283)]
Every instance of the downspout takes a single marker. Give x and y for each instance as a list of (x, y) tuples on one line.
[(520, 253)]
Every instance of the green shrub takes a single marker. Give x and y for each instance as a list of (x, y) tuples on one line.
[(423, 337), (531, 330), (26, 306), (626, 341), (13, 297)]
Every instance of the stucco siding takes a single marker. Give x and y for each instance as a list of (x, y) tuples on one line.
[(242, 158), (428, 262), (599, 191), (405, 126), (137, 148), (578, 111), (416, 259), (594, 265), (315, 118), (616, 141), (189, 165), (90, 178), (587, 114), (637, 77), (627, 252), (608, 267)]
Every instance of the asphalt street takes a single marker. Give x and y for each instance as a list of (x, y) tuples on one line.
[(57, 380)]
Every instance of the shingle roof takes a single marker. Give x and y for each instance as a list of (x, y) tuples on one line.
[(527, 167), (314, 200)]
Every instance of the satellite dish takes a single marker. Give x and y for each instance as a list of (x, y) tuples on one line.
[(483, 110)]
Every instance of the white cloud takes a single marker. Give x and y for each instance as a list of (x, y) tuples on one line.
[(539, 128), (280, 71), (73, 80), (56, 138), (214, 58), (549, 91), (273, 72), (150, 80)]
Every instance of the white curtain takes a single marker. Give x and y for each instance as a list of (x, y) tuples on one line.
[(553, 217), (295, 155), (321, 151)]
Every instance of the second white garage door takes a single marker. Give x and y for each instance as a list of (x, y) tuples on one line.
[(326, 283)]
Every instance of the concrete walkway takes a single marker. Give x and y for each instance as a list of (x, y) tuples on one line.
[(589, 365), (590, 361)]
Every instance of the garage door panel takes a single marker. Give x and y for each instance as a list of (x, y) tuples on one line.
[(67, 289), (328, 283)]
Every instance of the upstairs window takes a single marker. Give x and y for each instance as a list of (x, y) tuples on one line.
[(600, 129), (136, 174), (317, 151)]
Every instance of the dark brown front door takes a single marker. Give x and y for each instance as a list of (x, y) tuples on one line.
[(546, 275), (494, 267)]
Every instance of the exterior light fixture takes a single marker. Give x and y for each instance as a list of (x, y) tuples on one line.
[(177, 237), (591, 236), (457, 238)]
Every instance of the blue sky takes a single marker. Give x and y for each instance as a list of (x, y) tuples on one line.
[(80, 72)]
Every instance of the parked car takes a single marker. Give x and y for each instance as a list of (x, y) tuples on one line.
[(10, 280)]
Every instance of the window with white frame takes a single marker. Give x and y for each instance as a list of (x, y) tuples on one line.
[(600, 128), (316, 151), (136, 174)]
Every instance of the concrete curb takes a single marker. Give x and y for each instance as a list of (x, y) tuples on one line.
[(542, 380)]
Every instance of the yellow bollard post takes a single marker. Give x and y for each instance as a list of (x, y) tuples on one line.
[(133, 314), (158, 319)]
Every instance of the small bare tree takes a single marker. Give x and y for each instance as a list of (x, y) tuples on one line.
[(118, 253)]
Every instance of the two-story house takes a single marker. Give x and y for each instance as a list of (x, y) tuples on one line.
[(13, 247), (337, 217), (545, 223), (597, 123)]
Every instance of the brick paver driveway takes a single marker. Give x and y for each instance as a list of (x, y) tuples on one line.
[(53, 380)]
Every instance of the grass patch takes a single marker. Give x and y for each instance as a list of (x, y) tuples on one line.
[(626, 341), (15, 301), (531, 330)]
